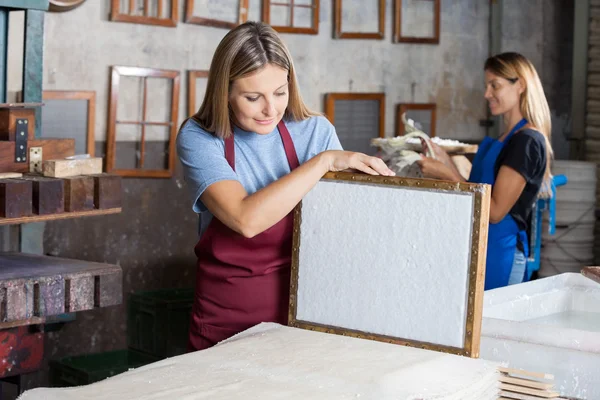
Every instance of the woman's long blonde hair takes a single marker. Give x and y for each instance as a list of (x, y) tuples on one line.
[(534, 106), (244, 50)]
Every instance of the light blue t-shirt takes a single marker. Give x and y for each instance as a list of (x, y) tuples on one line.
[(259, 159)]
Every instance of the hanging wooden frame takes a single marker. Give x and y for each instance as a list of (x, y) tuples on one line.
[(337, 23), (404, 107), (313, 30), (331, 98), (399, 38), (337, 313), (192, 101), (145, 19), (190, 18), (145, 73), (90, 96)]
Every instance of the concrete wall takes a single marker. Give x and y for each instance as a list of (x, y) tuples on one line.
[(153, 238)]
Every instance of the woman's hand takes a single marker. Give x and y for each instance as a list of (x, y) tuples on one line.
[(338, 160), (438, 152), (435, 169)]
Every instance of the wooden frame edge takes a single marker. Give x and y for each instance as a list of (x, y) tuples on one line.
[(190, 18), (193, 75), (337, 24), (116, 16), (403, 107), (397, 34), (330, 99), (116, 73), (88, 95), (313, 30), (476, 273)]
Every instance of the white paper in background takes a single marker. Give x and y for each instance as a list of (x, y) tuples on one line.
[(386, 260)]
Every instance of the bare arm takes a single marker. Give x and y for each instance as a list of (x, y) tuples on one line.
[(250, 215), (506, 191)]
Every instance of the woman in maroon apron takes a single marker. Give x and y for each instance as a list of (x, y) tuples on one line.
[(250, 154)]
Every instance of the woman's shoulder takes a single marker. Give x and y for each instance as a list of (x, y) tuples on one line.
[(191, 133), (532, 135), (314, 123)]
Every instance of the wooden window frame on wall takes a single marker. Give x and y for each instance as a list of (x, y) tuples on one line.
[(192, 76), (331, 98), (145, 73), (116, 16), (90, 96), (190, 18), (266, 16), (337, 23), (398, 38), (403, 107)]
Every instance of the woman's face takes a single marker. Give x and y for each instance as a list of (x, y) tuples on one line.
[(501, 94), (259, 100)]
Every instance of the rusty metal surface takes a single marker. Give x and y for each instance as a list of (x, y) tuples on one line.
[(21, 351)]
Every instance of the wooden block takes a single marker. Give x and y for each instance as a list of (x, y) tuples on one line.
[(51, 149), (15, 198), (107, 191), (80, 293), (76, 167), (48, 296), (79, 193), (8, 122), (8, 175), (48, 195), (109, 289)]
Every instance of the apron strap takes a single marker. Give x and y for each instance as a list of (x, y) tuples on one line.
[(230, 151), (288, 146)]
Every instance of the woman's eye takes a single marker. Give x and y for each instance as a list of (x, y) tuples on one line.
[(252, 98), (280, 94)]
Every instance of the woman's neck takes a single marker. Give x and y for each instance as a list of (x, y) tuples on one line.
[(511, 118)]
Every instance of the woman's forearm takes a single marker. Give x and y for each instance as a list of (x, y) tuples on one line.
[(272, 203)]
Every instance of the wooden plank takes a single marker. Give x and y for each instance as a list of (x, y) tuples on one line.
[(15, 198), (522, 372), (526, 382), (8, 175), (53, 217), (25, 4), (533, 392), (51, 149), (522, 396), (79, 193), (72, 167), (8, 122)]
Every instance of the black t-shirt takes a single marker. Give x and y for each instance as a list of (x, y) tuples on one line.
[(525, 152)]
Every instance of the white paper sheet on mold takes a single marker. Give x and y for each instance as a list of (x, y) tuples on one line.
[(271, 361), (386, 260)]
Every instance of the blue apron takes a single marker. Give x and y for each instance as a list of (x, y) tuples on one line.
[(503, 236)]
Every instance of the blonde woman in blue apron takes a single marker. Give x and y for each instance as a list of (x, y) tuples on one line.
[(517, 164)]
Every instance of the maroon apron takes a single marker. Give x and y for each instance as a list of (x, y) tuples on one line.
[(240, 281)]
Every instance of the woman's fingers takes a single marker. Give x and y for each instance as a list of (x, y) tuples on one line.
[(377, 165)]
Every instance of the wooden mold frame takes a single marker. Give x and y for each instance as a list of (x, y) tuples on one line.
[(190, 18), (398, 38), (476, 273), (266, 16), (404, 107), (193, 75), (146, 19), (145, 73), (90, 96), (337, 24), (331, 98)]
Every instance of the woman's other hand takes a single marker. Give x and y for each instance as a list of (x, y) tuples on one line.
[(338, 160), (435, 169)]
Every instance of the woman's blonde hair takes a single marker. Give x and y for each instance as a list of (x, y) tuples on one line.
[(534, 107), (244, 50)]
